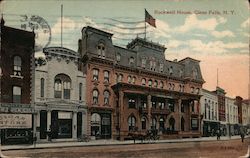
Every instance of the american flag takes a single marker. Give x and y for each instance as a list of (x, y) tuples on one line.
[(149, 19)]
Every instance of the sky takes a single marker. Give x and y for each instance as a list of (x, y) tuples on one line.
[(214, 32)]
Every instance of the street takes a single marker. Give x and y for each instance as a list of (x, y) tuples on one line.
[(213, 149)]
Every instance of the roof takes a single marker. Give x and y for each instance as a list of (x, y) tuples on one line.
[(188, 58), (60, 51)]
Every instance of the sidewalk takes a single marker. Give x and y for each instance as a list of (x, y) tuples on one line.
[(109, 142)]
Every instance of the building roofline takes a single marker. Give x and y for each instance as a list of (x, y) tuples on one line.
[(189, 58), (97, 30)]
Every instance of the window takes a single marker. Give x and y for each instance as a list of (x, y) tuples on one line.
[(133, 80), (194, 124), (161, 67), (192, 106), (181, 73), (161, 105), (101, 50), (171, 105), (66, 90), (80, 91), (131, 102), (195, 73), (171, 70), (120, 78), (118, 57), (161, 84), (155, 84), (129, 79), (143, 62), (150, 83), (153, 104), (95, 96), (180, 87), (192, 90), (131, 61), (42, 88), (143, 81), (16, 92), (58, 88), (95, 74), (197, 90), (144, 104), (131, 123), (171, 124), (143, 123), (161, 123), (173, 86), (106, 76), (106, 97), (154, 65), (17, 66), (151, 65), (170, 86), (182, 107)]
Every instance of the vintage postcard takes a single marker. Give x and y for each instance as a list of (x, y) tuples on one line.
[(116, 78)]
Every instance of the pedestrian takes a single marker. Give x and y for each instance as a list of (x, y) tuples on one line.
[(242, 135), (218, 134)]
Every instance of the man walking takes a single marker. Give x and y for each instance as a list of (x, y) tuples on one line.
[(218, 134), (242, 135)]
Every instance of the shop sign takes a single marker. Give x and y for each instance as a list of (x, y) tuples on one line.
[(15, 121)]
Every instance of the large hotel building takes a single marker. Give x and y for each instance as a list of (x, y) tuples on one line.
[(136, 88)]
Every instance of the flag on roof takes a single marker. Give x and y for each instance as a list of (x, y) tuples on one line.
[(149, 19)]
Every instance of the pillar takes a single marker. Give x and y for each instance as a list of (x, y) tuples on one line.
[(122, 128), (178, 112), (48, 121), (38, 125), (149, 106), (84, 123), (74, 125)]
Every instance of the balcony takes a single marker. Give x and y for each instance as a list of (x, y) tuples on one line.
[(164, 111)]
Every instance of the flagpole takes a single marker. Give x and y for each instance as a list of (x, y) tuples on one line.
[(145, 25)]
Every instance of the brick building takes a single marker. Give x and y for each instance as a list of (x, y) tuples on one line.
[(17, 76), (135, 88)]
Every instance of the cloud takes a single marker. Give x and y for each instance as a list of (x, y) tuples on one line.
[(245, 24), (222, 34), (192, 22), (68, 25), (174, 44)]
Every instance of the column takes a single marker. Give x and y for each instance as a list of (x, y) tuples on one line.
[(122, 128), (178, 112), (199, 116), (149, 106), (48, 121), (38, 125), (84, 123), (74, 125)]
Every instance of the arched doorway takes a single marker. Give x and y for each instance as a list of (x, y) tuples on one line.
[(172, 124), (95, 125), (161, 124)]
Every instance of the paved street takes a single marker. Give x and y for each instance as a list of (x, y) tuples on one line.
[(228, 149)]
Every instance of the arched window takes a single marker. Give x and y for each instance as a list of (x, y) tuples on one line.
[(171, 70), (161, 67), (120, 77), (17, 65), (106, 76), (101, 50), (150, 83), (195, 73), (95, 74), (131, 123), (62, 86), (143, 81), (95, 96), (42, 87), (106, 97), (161, 84), (171, 124), (16, 94), (143, 123), (129, 79), (133, 80), (156, 84)]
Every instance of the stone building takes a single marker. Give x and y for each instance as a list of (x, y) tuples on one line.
[(16, 80), (60, 96), (136, 88), (210, 111)]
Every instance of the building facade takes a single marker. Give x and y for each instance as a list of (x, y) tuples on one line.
[(209, 109), (246, 115), (231, 116), (16, 80), (135, 88), (60, 96)]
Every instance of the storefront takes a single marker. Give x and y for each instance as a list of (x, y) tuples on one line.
[(101, 125), (210, 128)]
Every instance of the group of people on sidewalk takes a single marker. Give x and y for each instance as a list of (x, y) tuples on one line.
[(242, 135)]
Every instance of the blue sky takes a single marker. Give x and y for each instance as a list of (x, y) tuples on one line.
[(218, 40)]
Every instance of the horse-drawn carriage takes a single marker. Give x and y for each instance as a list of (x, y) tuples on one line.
[(149, 136)]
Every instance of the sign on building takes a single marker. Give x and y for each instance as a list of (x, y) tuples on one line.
[(15, 121)]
